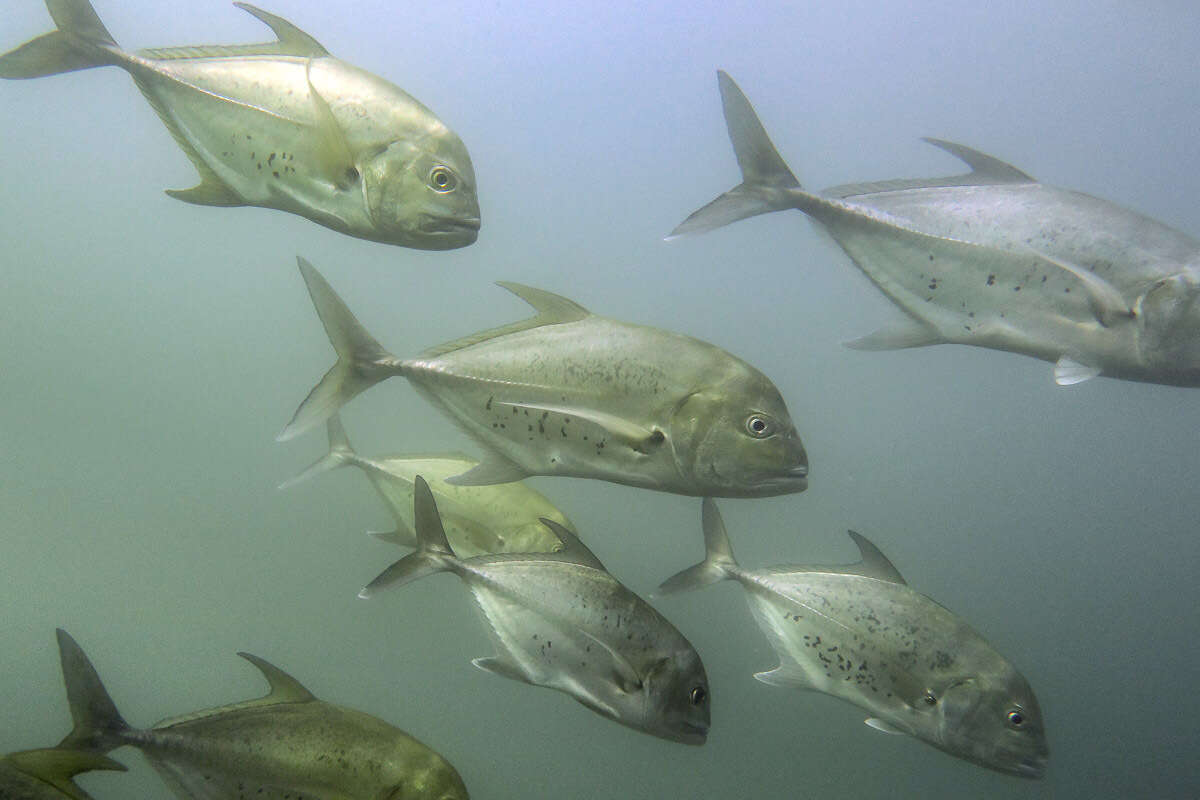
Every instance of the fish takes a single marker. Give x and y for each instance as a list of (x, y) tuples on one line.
[(858, 632), (993, 258), (561, 621), (570, 393), (46, 774), (285, 125), (504, 518), (288, 744)]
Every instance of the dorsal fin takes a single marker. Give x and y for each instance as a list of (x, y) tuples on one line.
[(572, 548), (292, 40), (874, 563), (985, 170), (552, 309), (981, 164), (284, 689)]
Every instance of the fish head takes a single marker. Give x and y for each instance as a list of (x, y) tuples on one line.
[(1169, 318), (736, 439), (993, 721), (676, 699), (420, 192), (428, 775)]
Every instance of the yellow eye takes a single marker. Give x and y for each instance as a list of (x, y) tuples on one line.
[(441, 179), (699, 695)]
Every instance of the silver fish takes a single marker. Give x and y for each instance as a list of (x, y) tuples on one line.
[(285, 125), (995, 259), (504, 518), (860, 633), (560, 620), (570, 393), (46, 774), (285, 745)]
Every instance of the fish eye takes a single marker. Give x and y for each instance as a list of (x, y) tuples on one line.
[(441, 179), (698, 695), (929, 699), (759, 426), (1015, 718)]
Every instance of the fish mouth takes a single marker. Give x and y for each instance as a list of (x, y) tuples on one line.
[(437, 224), (690, 733), (1034, 767)]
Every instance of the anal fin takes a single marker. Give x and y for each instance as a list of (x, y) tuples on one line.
[(909, 333), (492, 470), (211, 191), (501, 667)]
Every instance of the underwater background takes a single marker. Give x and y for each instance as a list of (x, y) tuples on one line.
[(151, 350)]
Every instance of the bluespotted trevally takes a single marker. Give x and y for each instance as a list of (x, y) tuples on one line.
[(859, 632), (499, 518), (560, 620), (285, 125), (571, 393), (993, 258), (288, 744)]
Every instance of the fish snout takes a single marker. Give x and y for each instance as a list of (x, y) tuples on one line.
[(1033, 767)]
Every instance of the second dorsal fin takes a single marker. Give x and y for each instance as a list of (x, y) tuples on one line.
[(552, 309)]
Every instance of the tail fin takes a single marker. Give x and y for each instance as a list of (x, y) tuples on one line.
[(340, 454), (718, 556), (362, 362), (433, 551), (57, 766), (81, 42), (98, 724), (765, 176)]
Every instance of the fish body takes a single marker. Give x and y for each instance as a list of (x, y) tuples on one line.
[(501, 518), (46, 774), (561, 621), (288, 745), (286, 125), (573, 394), (996, 259), (862, 634)]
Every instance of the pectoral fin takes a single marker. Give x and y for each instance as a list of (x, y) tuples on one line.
[(336, 161), (630, 433), (1107, 304)]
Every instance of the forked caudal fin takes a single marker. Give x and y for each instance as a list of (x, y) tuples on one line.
[(81, 42), (98, 724), (340, 454), (433, 552), (362, 362), (718, 556), (765, 176)]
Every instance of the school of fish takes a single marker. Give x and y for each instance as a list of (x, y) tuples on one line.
[(991, 258)]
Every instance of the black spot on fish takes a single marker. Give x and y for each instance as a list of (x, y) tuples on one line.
[(260, 166), (488, 407), (275, 173), (271, 159), (931, 256), (1016, 288), (991, 280)]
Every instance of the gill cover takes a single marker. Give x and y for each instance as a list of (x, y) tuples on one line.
[(1170, 321)]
